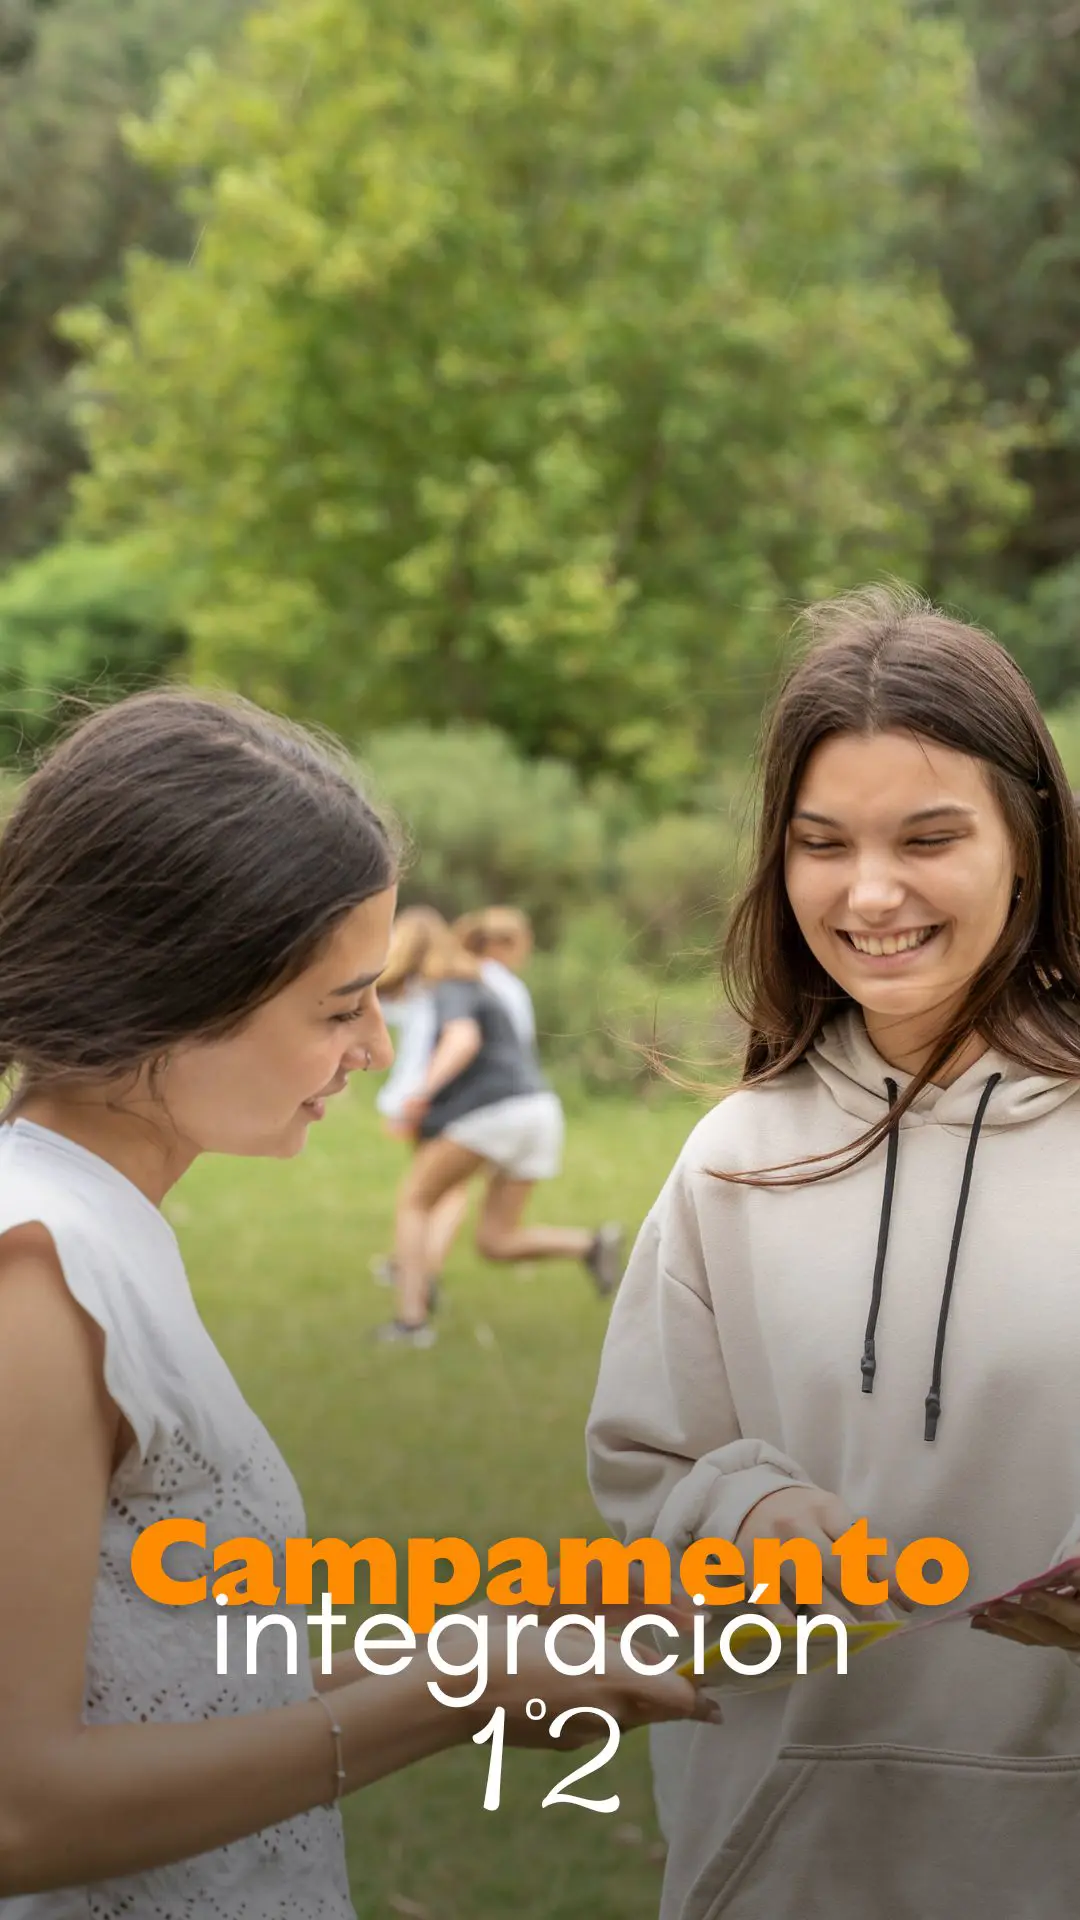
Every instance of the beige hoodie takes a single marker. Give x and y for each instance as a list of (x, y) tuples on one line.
[(940, 1778)]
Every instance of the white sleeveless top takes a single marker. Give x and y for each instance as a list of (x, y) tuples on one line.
[(515, 996), (201, 1453)]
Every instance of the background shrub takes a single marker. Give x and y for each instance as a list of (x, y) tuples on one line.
[(605, 1024), (77, 621), (488, 826), (675, 879)]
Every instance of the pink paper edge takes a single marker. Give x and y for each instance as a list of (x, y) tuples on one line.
[(1061, 1575)]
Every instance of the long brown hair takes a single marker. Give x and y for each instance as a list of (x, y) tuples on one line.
[(171, 865), (885, 660), (424, 949)]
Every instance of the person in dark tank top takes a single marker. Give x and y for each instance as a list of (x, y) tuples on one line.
[(484, 1105)]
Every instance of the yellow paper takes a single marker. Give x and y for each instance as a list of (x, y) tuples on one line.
[(751, 1643)]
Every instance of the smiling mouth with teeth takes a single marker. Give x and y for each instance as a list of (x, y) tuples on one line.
[(879, 946)]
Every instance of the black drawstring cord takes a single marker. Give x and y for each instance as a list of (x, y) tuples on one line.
[(869, 1357), (933, 1398)]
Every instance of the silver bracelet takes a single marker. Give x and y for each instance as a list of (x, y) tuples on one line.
[(339, 1764)]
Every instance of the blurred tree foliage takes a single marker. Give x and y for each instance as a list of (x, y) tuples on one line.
[(536, 362), (536, 356), (1008, 248), (78, 623), (484, 826), (627, 912), (71, 200)]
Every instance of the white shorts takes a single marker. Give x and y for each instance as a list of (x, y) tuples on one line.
[(522, 1136)]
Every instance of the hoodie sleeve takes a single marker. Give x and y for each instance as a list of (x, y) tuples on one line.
[(665, 1452)]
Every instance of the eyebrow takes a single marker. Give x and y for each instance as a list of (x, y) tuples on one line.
[(353, 986), (948, 810)]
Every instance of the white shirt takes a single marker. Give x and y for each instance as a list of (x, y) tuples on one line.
[(515, 997), (412, 1017), (201, 1453)]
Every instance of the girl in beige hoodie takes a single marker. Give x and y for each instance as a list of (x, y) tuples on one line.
[(858, 1294)]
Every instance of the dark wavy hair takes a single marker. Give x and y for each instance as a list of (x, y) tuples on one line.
[(885, 660), (172, 864)]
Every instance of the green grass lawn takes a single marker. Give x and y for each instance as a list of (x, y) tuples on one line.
[(481, 1436)]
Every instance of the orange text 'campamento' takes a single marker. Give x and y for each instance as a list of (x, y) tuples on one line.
[(434, 1574)]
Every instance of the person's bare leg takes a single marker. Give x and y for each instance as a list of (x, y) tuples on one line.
[(439, 1166), (501, 1236), (443, 1226), (446, 1217)]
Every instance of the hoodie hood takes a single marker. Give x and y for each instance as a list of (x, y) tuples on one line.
[(846, 1061)]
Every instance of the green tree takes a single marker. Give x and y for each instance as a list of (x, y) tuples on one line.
[(1008, 248), (78, 622), (71, 200), (536, 355)]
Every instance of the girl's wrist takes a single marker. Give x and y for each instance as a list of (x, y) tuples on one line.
[(392, 1718), (458, 1722)]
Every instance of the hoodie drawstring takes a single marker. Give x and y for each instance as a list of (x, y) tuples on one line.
[(933, 1398), (869, 1356)]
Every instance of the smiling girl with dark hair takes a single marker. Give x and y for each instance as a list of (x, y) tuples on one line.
[(195, 905), (859, 1292)]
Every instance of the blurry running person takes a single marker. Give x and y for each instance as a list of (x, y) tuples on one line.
[(502, 940), (423, 946), (484, 1104)]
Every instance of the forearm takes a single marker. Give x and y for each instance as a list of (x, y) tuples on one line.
[(344, 1669), (118, 1800), (453, 1054)]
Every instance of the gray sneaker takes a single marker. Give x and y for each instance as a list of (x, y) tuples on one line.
[(397, 1333), (605, 1258)]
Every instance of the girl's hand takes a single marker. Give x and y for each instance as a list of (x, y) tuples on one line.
[(633, 1699), (412, 1113), (1038, 1620), (807, 1513)]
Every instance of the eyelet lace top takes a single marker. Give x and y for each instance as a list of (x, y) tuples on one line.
[(200, 1453)]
